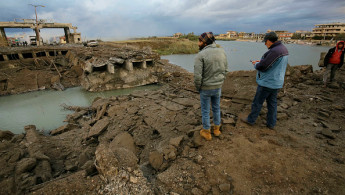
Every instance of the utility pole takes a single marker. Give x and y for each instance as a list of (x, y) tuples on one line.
[(36, 28)]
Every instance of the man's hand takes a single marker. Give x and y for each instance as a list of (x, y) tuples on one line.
[(254, 62)]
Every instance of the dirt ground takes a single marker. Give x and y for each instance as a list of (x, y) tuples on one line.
[(148, 142)]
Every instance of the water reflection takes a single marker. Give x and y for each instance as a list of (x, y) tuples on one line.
[(240, 53), (42, 108)]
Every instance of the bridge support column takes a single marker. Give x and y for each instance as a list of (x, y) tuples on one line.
[(68, 35), (143, 65), (3, 38), (129, 65)]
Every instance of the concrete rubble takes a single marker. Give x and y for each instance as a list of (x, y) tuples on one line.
[(95, 69)]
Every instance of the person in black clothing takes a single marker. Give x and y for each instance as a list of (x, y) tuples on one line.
[(334, 59)]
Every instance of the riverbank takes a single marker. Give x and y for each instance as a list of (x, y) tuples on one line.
[(148, 142), (163, 46)]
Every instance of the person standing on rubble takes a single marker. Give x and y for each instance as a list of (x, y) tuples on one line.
[(270, 78), (210, 68), (334, 59)]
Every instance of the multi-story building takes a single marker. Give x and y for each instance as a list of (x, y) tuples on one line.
[(304, 34), (232, 34), (331, 29), (283, 34), (177, 35)]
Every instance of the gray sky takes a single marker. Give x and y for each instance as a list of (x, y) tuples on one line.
[(115, 19)]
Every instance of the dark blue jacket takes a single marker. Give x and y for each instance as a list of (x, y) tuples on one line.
[(272, 67)]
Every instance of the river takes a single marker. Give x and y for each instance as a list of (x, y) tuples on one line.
[(240, 53), (43, 108)]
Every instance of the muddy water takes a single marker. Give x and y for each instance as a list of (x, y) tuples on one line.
[(240, 53), (42, 108)]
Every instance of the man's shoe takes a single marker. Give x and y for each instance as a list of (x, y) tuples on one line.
[(216, 131), (245, 120), (272, 128), (206, 134)]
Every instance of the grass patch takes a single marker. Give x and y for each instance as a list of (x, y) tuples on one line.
[(181, 46), (164, 45)]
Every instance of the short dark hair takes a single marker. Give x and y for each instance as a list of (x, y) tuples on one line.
[(207, 37), (271, 36)]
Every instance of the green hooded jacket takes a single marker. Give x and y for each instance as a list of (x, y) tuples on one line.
[(210, 68)]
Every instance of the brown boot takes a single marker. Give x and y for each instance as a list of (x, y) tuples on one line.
[(206, 134), (216, 131)]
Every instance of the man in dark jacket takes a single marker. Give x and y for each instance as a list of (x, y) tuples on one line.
[(333, 61), (210, 70), (270, 78)]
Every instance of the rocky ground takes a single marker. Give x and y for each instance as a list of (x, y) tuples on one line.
[(148, 142)]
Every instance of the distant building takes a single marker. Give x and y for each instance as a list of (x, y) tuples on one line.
[(231, 34), (177, 35), (63, 39), (223, 36), (304, 34), (331, 29), (282, 34)]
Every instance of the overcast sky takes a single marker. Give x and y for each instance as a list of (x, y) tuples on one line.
[(116, 19)]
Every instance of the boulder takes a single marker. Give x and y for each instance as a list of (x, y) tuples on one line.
[(106, 161), (225, 187), (31, 134), (197, 139), (43, 171), (126, 158), (230, 121), (123, 140), (6, 135), (176, 141), (89, 168), (25, 165), (156, 159)]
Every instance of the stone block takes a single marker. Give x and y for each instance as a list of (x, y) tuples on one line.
[(98, 128)]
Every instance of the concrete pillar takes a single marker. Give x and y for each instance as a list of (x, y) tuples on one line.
[(68, 35), (111, 68), (3, 38), (143, 65), (5, 57), (20, 56), (129, 65)]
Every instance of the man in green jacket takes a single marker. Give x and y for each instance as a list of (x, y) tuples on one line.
[(210, 70)]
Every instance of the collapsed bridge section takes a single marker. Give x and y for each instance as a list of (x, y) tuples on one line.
[(118, 68)]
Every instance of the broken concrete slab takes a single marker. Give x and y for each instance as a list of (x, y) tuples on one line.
[(98, 128)]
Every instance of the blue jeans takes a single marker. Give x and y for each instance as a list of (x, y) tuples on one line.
[(207, 97), (262, 94)]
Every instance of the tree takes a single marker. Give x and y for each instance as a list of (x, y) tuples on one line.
[(340, 36), (296, 36)]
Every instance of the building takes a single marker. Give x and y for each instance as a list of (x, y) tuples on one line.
[(331, 29), (282, 34), (304, 34), (231, 34), (177, 35)]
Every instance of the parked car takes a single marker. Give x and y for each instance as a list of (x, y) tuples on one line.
[(92, 43)]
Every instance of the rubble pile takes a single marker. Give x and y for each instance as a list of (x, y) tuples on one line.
[(96, 69)]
